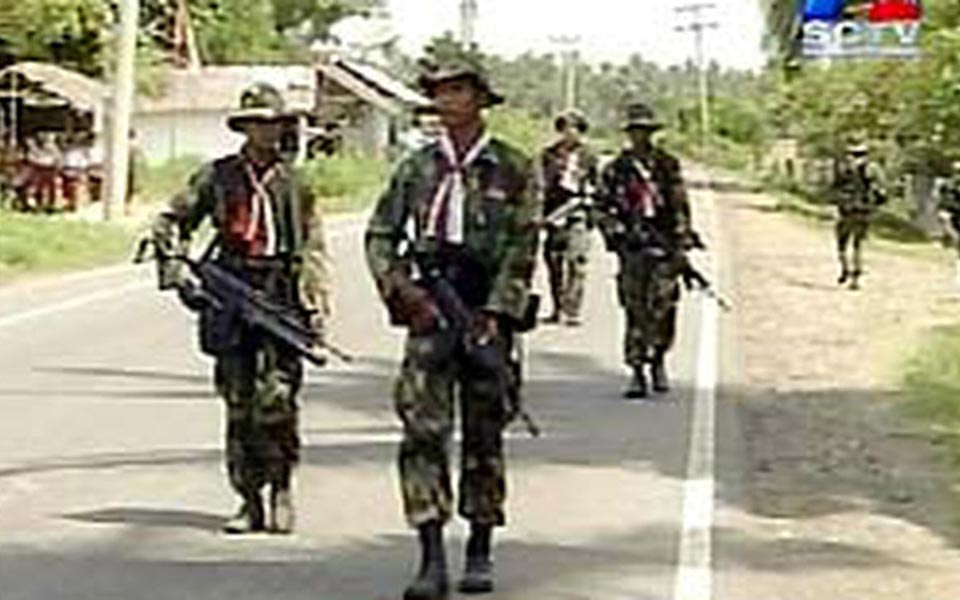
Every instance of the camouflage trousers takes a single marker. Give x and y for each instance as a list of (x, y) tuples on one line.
[(259, 381), (649, 291), (566, 252), (851, 232), (427, 391)]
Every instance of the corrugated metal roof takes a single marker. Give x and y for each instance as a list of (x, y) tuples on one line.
[(373, 86), (386, 83), (79, 90)]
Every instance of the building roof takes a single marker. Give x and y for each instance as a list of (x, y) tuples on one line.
[(45, 83), (372, 85), (218, 88)]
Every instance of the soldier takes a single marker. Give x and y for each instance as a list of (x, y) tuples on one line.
[(858, 190), (569, 173), (474, 215), (269, 233), (644, 216), (948, 207)]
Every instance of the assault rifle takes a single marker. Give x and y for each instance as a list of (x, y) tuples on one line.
[(656, 244), (221, 291), (481, 354)]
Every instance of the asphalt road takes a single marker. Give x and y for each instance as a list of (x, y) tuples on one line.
[(112, 487)]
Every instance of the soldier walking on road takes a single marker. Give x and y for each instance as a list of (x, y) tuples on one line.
[(569, 175), (644, 216), (474, 213), (858, 190), (948, 208), (269, 234)]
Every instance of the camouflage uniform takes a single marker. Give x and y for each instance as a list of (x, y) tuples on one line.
[(644, 216), (859, 190), (949, 206), (567, 245), (492, 270), (274, 241)]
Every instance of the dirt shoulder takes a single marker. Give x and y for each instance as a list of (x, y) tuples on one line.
[(840, 495)]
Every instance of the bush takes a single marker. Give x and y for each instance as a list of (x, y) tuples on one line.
[(346, 182), (37, 243), (159, 183)]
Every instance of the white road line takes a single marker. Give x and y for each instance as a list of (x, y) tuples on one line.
[(695, 565), (52, 309), (339, 228)]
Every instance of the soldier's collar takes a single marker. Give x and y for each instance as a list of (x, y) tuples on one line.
[(488, 154)]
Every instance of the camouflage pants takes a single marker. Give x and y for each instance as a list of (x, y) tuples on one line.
[(649, 290), (852, 231), (425, 395), (259, 382), (566, 252)]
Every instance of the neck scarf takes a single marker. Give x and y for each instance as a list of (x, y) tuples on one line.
[(261, 210), (445, 221)]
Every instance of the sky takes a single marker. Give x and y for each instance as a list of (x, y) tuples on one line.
[(608, 29)]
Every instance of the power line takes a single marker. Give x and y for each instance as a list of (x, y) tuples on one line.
[(697, 25)]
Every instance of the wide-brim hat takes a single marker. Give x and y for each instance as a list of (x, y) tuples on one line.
[(640, 116), (433, 75), (858, 148), (260, 103)]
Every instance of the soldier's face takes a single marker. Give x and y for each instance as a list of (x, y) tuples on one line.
[(459, 102), (571, 134), (639, 136), (264, 135)]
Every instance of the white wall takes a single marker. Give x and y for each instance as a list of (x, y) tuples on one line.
[(164, 136)]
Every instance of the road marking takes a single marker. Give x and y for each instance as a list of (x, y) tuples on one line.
[(695, 566), (52, 309)]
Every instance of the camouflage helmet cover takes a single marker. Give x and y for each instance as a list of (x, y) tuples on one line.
[(259, 102), (639, 115), (450, 69), (572, 117)]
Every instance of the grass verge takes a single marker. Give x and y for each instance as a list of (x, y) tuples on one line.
[(32, 244), (932, 387)]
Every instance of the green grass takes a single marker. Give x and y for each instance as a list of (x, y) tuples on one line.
[(45, 244), (932, 388), (159, 183), (346, 183)]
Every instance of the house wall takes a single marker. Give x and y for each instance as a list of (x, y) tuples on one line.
[(165, 136)]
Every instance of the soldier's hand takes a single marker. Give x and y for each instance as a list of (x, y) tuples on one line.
[(192, 295), (422, 313), (487, 328)]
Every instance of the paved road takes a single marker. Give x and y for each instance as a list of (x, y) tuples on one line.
[(111, 483)]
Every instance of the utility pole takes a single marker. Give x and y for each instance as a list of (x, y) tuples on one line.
[(697, 24), (120, 107), (469, 11), (570, 57)]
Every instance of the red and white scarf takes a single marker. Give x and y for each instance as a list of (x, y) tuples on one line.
[(445, 220)]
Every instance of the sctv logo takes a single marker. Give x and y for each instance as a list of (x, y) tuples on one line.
[(879, 28)]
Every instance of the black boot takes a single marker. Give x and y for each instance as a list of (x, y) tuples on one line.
[(855, 280), (637, 390), (249, 519), (658, 372), (478, 570), (431, 582)]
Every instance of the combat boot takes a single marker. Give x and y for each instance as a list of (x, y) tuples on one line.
[(658, 372), (855, 281), (553, 319), (637, 389), (249, 519), (431, 582), (282, 514), (478, 568)]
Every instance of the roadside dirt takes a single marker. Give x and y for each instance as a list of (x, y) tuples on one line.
[(832, 469)]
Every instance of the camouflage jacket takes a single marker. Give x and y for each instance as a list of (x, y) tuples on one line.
[(859, 189), (620, 208), (553, 161), (221, 190), (948, 196), (500, 222)]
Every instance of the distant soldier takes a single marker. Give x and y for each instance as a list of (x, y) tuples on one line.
[(569, 173), (268, 233), (644, 216), (473, 213), (949, 209), (858, 190)]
